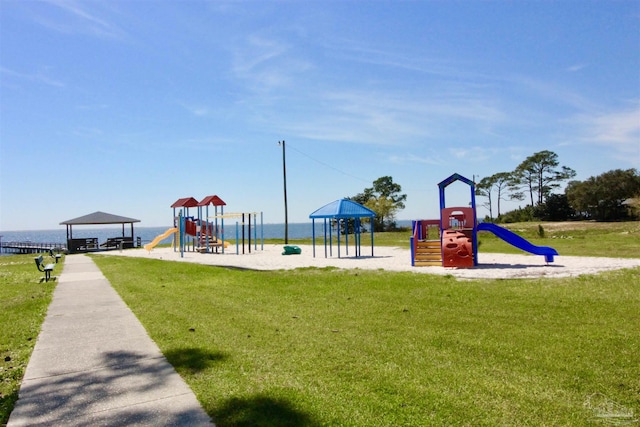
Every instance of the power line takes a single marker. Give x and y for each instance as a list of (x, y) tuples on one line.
[(327, 165)]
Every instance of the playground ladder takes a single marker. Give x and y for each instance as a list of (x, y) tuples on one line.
[(428, 253)]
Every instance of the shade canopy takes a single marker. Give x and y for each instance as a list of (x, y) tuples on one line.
[(99, 218), (343, 209)]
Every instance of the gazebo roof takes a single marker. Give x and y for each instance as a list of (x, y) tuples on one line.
[(212, 200), (186, 202), (99, 218), (343, 208)]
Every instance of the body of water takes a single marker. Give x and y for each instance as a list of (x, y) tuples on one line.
[(269, 231)]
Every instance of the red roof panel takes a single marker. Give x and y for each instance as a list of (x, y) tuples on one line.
[(212, 200), (187, 202)]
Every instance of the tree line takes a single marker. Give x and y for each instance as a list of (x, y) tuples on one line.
[(611, 196)]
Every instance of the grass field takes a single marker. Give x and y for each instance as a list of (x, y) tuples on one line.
[(330, 347), (314, 347), (23, 306)]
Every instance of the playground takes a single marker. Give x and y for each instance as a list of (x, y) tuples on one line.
[(204, 230), (447, 245), (452, 239)]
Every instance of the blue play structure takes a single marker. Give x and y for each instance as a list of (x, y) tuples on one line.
[(452, 241)]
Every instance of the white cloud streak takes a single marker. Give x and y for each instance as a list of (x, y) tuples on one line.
[(265, 64), (390, 118), (617, 130), (37, 77), (77, 19)]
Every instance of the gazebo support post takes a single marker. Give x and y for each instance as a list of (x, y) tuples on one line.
[(357, 236), (338, 238), (371, 223), (330, 241), (313, 236), (324, 230), (346, 237)]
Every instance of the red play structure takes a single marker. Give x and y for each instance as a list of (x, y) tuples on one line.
[(452, 241), (204, 236), (198, 234)]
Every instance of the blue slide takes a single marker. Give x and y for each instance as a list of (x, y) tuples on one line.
[(518, 241)]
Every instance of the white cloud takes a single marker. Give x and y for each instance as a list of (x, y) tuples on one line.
[(265, 63), (470, 154), (557, 95), (256, 51), (42, 77), (619, 131), (76, 18), (197, 110), (397, 57), (434, 159), (618, 128), (388, 117), (576, 67)]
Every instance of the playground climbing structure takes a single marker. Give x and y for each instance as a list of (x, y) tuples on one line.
[(452, 241), (204, 230)]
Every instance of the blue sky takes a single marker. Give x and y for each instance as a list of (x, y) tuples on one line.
[(126, 106)]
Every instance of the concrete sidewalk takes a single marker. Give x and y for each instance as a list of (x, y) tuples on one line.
[(94, 364)]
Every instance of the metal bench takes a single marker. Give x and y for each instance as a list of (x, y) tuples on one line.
[(45, 268), (56, 256)]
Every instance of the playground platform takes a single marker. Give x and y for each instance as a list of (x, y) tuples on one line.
[(94, 364)]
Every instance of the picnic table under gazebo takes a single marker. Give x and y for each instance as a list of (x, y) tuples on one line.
[(91, 243)]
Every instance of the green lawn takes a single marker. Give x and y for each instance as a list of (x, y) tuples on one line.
[(328, 347), (23, 306), (331, 347)]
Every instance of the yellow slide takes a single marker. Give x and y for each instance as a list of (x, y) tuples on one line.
[(159, 238)]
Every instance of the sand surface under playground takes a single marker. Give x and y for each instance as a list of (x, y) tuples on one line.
[(491, 265)]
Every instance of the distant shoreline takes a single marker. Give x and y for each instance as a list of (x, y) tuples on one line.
[(269, 231)]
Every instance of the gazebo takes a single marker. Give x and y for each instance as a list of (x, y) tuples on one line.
[(91, 243), (343, 209)]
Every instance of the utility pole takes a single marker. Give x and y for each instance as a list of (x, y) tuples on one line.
[(284, 175)]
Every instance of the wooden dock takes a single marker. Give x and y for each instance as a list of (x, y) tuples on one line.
[(31, 247)]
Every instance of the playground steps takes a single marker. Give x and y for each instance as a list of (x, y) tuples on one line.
[(428, 253)]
